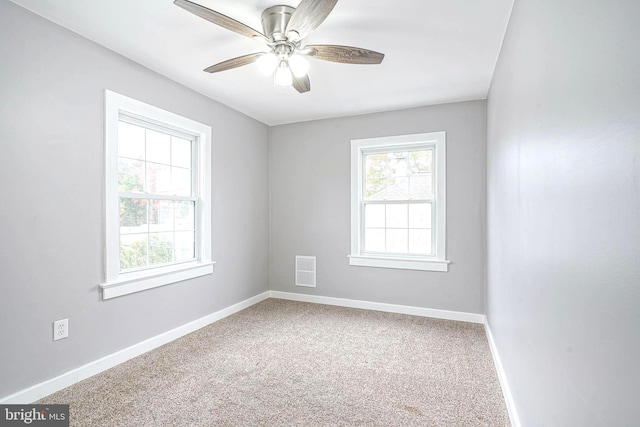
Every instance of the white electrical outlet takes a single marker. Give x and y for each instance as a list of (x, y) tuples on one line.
[(60, 329)]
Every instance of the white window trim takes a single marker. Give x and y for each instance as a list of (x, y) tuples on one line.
[(433, 263), (115, 283)]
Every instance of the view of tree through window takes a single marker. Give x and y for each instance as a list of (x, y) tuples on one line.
[(157, 209)]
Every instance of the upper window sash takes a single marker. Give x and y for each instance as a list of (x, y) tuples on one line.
[(172, 130)]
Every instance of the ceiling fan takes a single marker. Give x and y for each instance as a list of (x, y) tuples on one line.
[(285, 28)]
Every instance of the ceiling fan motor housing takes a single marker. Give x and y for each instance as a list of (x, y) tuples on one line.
[(275, 20)]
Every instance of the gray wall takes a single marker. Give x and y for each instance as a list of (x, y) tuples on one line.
[(563, 179), (310, 208), (51, 201)]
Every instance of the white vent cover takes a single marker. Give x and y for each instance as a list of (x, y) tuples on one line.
[(306, 271)]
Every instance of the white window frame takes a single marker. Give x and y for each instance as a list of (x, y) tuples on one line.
[(361, 147), (118, 283)]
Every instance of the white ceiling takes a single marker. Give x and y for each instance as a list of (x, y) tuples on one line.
[(437, 51)]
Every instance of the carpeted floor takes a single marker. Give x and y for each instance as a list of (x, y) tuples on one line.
[(284, 363)]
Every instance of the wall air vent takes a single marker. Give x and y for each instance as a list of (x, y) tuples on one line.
[(306, 271)]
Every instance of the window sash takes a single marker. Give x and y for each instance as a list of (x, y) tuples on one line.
[(363, 227), (166, 128), (197, 235)]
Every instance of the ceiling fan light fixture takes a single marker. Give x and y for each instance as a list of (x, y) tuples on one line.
[(267, 63), (299, 65), (283, 75)]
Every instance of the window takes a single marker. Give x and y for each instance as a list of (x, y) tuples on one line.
[(398, 202), (158, 197)]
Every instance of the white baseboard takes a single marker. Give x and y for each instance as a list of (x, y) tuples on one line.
[(45, 388), (506, 391), (378, 306)]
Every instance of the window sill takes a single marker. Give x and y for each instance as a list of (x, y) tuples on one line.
[(399, 263), (140, 281)]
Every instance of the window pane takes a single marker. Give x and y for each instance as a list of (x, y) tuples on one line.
[(130, 176), (397, 188), (133, 215), (420, 242), (181, 179), (130, 141), (420, 215), (184, 245), (421, 186), (421, 161), (133, 251), (158, 179), (180, 152), (158, 147), (397, 216), (160, 215), (397, 241), (374, 240), (375, 176), (160, 248), (377, 192), (374, 216), (398, 163), (184, 215)]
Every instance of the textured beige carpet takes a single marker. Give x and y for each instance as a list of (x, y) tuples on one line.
[(283, 363)]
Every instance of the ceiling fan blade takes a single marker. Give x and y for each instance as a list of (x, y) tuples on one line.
[(219, 19), (302, 84), (234, 63), (309, 15), (343, 54)]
